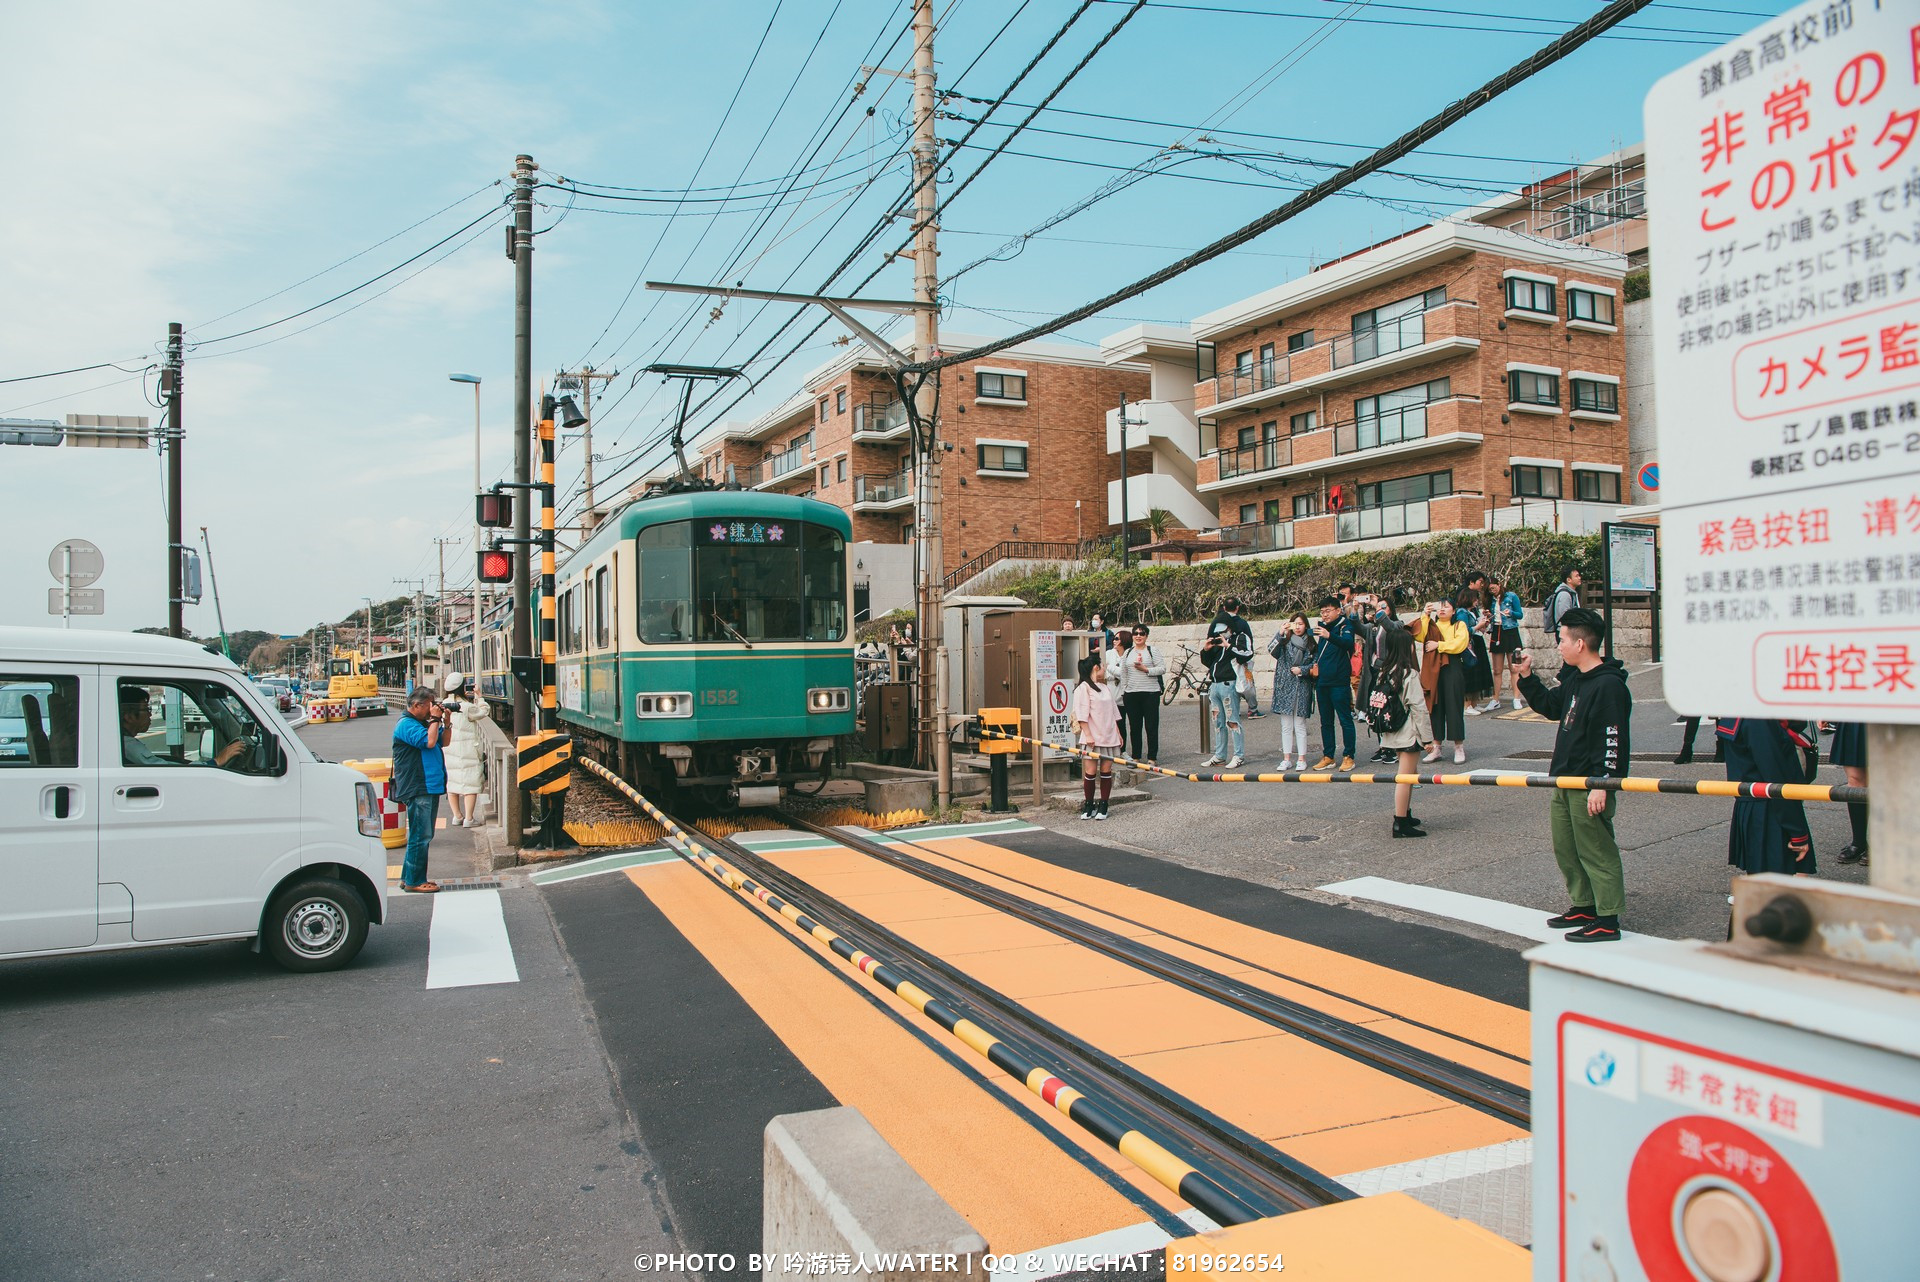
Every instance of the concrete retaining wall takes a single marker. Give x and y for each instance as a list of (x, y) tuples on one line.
[(832, 1185)]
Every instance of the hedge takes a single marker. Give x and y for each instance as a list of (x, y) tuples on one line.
[(1529, 561)]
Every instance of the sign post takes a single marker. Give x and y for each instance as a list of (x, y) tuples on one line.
[(75, 564)]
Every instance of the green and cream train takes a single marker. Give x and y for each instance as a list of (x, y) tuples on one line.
[(705, 644)]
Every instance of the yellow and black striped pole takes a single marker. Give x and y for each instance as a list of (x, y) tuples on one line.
[(545, 756), (1487, 779), (1171, 1171)]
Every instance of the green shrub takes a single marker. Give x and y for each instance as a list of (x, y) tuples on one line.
[(1528, 561), (1637, 286)]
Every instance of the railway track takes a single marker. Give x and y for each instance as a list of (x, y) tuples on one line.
[(1215, 1165)]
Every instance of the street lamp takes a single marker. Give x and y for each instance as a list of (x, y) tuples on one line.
[(474, 604)]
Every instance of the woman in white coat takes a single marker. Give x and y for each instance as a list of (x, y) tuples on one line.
[(465, 776)]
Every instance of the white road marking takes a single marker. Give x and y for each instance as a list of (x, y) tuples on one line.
[(1496, 914), (467, 943)]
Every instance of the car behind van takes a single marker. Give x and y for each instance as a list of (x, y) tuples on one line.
[(154, 796)]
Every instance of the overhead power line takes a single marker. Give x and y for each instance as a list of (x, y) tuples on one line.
[(1653, 35), (1432, 127)]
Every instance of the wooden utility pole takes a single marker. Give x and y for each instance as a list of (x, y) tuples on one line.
[(926, 347)]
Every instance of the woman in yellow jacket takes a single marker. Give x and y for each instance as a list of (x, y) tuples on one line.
[(1447, 639)]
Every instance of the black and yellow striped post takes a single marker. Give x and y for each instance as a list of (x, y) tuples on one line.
[(546, 755)]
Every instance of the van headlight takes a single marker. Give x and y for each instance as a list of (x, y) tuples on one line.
[(366, 809), (677, 703), (828, 699)]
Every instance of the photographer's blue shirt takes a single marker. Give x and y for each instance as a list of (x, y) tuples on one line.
[(418, 771)]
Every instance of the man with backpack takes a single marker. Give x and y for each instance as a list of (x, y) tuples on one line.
[(1564, 597), (1593, 706)]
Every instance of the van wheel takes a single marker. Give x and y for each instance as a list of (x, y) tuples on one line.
[(318, 924)]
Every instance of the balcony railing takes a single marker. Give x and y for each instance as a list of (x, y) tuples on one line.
[(1260, 536), (878, 421), (1389, 427), (791, 459), (1384, 340), (1262, 456), (1383, 522), (1245, 380), (883, 489)]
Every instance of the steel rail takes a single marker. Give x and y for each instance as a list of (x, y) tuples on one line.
[(1764, 791), (1249, 1180), (1434, 1072)]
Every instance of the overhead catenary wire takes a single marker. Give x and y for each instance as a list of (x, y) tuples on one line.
[(1432, 127), (1686, 36)]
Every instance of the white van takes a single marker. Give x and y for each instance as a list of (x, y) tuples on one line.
[(149, 795)]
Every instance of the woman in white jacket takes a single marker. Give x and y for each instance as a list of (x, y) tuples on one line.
[(465, 776)]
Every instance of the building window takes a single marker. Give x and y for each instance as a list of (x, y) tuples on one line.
[(1005, 387), (1392, 417), (1300, 424), (1266, 355), (1299, 342), (1596, 487), (1249, 513), (1534, 482), (1591, 394), (1406, 489), (824, 471), (602, 608), (1003, 458), (1585, 305), (840, 400), (1305, 505), (1524, 387), (1270, 511), (1525, 295), (843, 470), (823, 409)]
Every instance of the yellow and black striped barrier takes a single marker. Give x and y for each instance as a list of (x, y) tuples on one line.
[(546, 759), (1490, 779), (1173, 1172)]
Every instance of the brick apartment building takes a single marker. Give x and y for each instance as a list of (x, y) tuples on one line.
[(1026, 430), (1429, 383)]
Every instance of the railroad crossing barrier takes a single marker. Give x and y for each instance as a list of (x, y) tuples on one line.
[(1840, 793)]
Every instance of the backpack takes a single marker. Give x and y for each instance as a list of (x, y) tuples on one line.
[(1386, 711)]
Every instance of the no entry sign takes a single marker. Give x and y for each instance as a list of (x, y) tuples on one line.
[(1786, 331)]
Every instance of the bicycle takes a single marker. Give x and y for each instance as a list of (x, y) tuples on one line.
[(1184, 674)]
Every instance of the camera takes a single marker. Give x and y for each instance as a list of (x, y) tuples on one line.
[(450, 705)]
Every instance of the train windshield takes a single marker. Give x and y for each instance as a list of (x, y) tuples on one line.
[(725, 579)]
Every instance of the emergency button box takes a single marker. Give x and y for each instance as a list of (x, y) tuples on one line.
[(1701, 1116), (1003, 720)]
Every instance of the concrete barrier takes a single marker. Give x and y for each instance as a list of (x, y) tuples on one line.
[(833, 1186)]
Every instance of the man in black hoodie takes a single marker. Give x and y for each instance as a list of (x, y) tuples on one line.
[(1592, 705)]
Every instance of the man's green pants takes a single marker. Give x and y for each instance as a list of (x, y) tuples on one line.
[(1588, 856)]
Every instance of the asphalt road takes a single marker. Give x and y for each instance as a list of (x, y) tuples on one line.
[(1491, 842), (198, 1113)]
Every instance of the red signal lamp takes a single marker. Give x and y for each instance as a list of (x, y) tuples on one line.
[(493, 509), (496, 565)]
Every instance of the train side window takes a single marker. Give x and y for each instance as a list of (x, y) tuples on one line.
[(602, 607)]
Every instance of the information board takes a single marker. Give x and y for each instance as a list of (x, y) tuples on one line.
[(1633, 558), (1786, 326)]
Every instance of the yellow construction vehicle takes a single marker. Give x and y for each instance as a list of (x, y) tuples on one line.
[(350, 681)]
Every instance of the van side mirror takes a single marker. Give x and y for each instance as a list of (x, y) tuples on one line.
[(275, 754)]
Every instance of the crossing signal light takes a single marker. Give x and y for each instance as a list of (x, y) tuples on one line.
[(493, 509), (496, 565)]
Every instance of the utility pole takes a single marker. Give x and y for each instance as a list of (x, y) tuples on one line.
[(213, 581), (411, 629), (522, 244), (926, 347), (581, 380), (440, 602), (173, 438)]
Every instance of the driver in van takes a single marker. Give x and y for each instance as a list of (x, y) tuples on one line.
[(136, 718)]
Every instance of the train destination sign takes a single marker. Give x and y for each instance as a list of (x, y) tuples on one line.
[(742, 530)]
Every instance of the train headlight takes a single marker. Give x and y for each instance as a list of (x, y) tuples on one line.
[(678, 703), (829, 699)]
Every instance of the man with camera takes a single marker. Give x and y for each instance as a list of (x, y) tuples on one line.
[(419, 781)]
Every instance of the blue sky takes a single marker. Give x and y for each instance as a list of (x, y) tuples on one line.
[(228, 165)]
